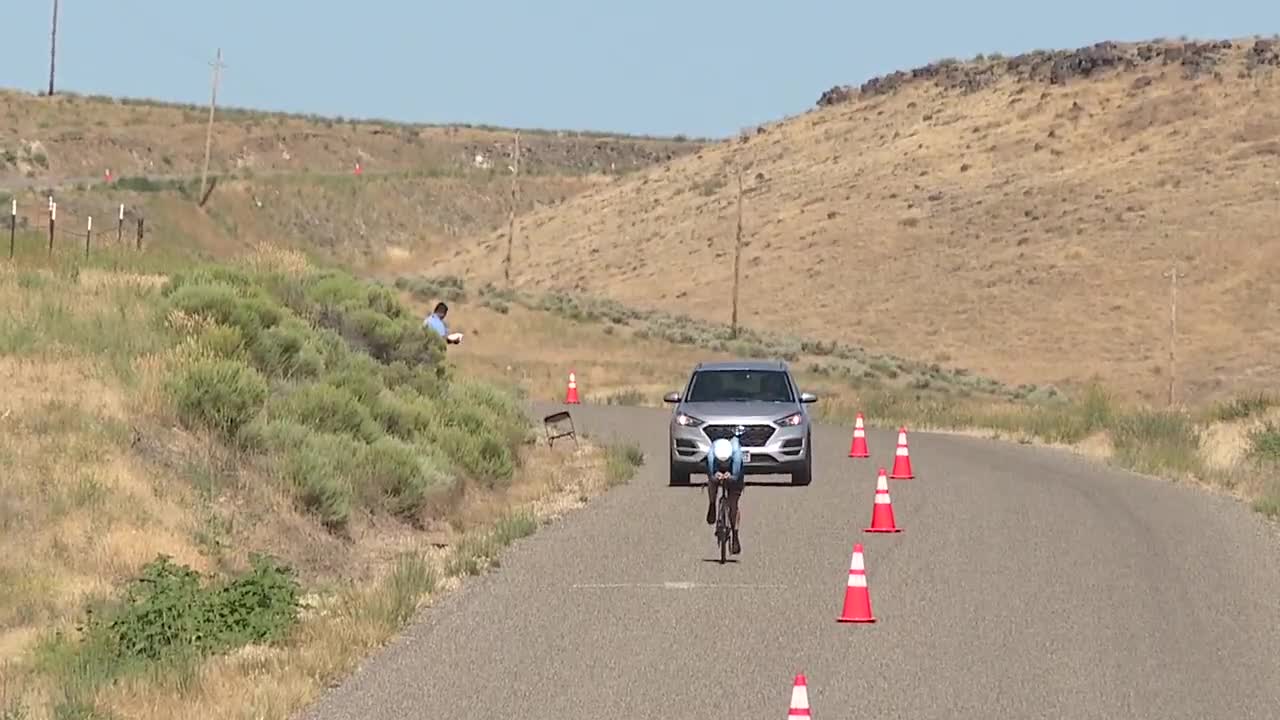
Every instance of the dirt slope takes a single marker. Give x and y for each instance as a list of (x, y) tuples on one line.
[(1011, 216)]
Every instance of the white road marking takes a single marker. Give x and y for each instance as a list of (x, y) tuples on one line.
[(681, 585)]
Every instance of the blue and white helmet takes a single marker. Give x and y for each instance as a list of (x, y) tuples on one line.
[(722, 450)]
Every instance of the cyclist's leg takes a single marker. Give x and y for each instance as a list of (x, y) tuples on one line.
[(735, 496), (712, 487)]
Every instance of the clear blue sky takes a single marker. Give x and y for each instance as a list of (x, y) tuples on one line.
[(660, 66)]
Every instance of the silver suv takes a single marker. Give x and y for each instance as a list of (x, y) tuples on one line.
[(756, 399)]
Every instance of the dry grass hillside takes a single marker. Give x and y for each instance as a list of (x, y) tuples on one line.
[(70, 136), (291, 179), (1009, 216)]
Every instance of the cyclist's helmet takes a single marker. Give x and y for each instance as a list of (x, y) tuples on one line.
[(722, 450)]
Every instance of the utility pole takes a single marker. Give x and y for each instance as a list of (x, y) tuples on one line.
[(53, 46), (1173, 276), (737, 255), (208, 135), (515, 198)]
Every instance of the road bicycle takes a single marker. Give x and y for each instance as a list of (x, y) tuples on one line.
[(723, 532), (722, 522)]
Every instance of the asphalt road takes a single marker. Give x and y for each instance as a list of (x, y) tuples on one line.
[(1026, 584)]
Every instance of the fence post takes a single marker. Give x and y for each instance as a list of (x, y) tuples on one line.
[(53, 219), (139, 233), (120, 227), (13, 225), (88, 236)]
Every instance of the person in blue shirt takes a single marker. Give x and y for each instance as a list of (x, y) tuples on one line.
[(435, 322), (724, 465)]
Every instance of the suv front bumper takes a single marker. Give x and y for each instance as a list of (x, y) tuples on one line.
[(785, 447)]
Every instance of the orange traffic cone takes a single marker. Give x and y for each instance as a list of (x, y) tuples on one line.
[(857, 600), (571, 395), (858, 449), (882, 514), (799, 698), (902, 458)]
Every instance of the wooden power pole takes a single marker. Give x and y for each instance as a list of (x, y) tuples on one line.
[(53, 46), (208, 134), (1173, 276), (515, 199), (737, 256)]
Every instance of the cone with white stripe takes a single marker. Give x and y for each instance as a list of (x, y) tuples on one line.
[(902, 458), (799, 698), (882, 516), (857, 600), (571, 395), (858, 449)]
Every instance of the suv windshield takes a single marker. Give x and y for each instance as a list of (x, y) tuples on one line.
[(740, 385)]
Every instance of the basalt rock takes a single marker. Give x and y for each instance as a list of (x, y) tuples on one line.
[(1060, 67)]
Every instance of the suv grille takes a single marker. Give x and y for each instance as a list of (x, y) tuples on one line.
[(754, 436)]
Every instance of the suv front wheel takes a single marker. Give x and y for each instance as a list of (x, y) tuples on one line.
[(804, 476), (679, 475)]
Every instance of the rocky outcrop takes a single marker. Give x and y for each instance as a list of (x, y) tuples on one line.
[(1062, 66)]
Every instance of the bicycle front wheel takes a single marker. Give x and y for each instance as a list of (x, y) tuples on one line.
[(723, 534)]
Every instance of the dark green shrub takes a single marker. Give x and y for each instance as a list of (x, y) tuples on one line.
[(225, 341), (221, 395), (284, 351), (274, 434), (403, 480), (223, 304), (403, 416), (1265, 442), (321, 468), (208, 275), (328, 409), (480, 453)]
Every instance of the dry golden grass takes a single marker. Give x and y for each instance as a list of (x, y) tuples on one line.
[(1019, 231), (289, 179), (537, 350), (80, 138)]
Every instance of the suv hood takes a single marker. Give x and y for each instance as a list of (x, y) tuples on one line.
[(715, 412)]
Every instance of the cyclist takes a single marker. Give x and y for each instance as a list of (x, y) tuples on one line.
[(724, 465)]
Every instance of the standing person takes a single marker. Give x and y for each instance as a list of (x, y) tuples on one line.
[(435, 321)]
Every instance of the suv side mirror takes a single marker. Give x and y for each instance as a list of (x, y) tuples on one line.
[(671, 397), (808, 397)]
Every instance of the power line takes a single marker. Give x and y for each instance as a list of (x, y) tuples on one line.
[(53, 45), (208, 135), (737, 255), (1173, 276), (515, 199)]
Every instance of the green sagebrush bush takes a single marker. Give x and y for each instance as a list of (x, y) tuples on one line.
[(219, 395), (341, 391)]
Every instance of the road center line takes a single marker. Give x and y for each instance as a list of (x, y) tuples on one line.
[(684, 585)]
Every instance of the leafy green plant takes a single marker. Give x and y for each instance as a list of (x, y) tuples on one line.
[(1264, 442), (167, 611)]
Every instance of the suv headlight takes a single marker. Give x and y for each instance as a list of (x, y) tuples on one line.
[(791, 420), (687, 420)]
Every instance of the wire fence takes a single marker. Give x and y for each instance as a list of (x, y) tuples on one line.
[(119, 228)]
